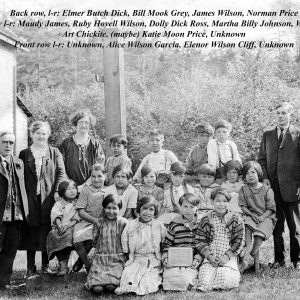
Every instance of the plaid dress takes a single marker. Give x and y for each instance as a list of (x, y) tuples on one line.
[(225, 277), (109, 260)]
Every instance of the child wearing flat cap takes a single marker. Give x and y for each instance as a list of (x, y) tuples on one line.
[(219, 239)]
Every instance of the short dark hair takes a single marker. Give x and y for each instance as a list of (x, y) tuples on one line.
[(118, 139), (63, 187), (233, 165), (177, 168), (252, 164), (223, 124), (111, 199), (147, 200), (207, 169), (221, 191), (204, 127), (190, 198), (78, 115), (146, 169), (119, 168)]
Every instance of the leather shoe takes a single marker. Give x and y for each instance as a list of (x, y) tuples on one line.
[(77, 266), (31, 273), (277, 264)]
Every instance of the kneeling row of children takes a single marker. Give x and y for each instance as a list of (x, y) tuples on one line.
[(216, 235)]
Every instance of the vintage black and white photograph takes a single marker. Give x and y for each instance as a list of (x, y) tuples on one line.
[(149, 149)]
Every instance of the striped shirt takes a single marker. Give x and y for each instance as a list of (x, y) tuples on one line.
[(180, 233)]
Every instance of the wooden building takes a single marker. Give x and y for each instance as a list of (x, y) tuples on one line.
[(13, 112)]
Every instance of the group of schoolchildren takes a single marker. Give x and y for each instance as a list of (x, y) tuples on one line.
[(123, 227)]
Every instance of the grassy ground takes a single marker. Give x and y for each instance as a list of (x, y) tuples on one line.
[(268, 284)]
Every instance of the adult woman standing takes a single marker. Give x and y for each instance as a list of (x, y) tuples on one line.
[(81, 151), (43, 171)]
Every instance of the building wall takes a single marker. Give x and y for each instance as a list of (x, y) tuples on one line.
[(21, 130)]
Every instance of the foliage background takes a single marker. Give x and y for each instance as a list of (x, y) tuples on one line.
[(168, 90)]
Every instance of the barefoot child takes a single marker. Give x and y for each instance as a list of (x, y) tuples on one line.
[(159, 159), (198, 154), (141, 239), (118, 144), (220, 150), (89, 206), (124, 191), (109, 259), (63, 218), (181, 233), (148, 186), (172, 192), (257, 203), (219, 239), (233, 184), (203, 191)]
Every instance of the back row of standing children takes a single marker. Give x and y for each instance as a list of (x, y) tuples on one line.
[(191, 198)]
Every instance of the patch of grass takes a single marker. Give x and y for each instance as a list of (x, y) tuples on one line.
[(282, 283)]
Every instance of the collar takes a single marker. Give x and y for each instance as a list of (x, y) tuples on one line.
[(81, 145), (3, 159), (225, 143), (157, 153), (285, 129), (146, 224), (181, 220)]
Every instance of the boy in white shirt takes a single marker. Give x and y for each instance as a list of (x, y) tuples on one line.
[(220, 150), (159, 159)]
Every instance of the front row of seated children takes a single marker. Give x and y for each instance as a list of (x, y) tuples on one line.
[(133, 255)]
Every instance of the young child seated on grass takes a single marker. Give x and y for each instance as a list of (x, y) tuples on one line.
[(148, 186), (233, 184), (198, 154), (89, 206), (109, 259), (219, 239), (124, 192), (118, 144), (206, 186), (181, 233), (141, 239), (257, 203), (159, 159), (220, 149), (172, 192), (63, 219)]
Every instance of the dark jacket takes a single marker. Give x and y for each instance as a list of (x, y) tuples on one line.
[(52, 173), (4, 178), (288, 167)]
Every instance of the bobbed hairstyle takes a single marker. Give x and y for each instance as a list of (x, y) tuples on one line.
[(233, 165), (63, 187), (155, 132), (177, 168), (146, 169), (125, 170), (204, 127), (111, 199), (78, 115), (206, 169), (97, 167), (221, 191), (223, 124), (190, 198), (38, 125), (252, 164), (148, 201), (118, 139)]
